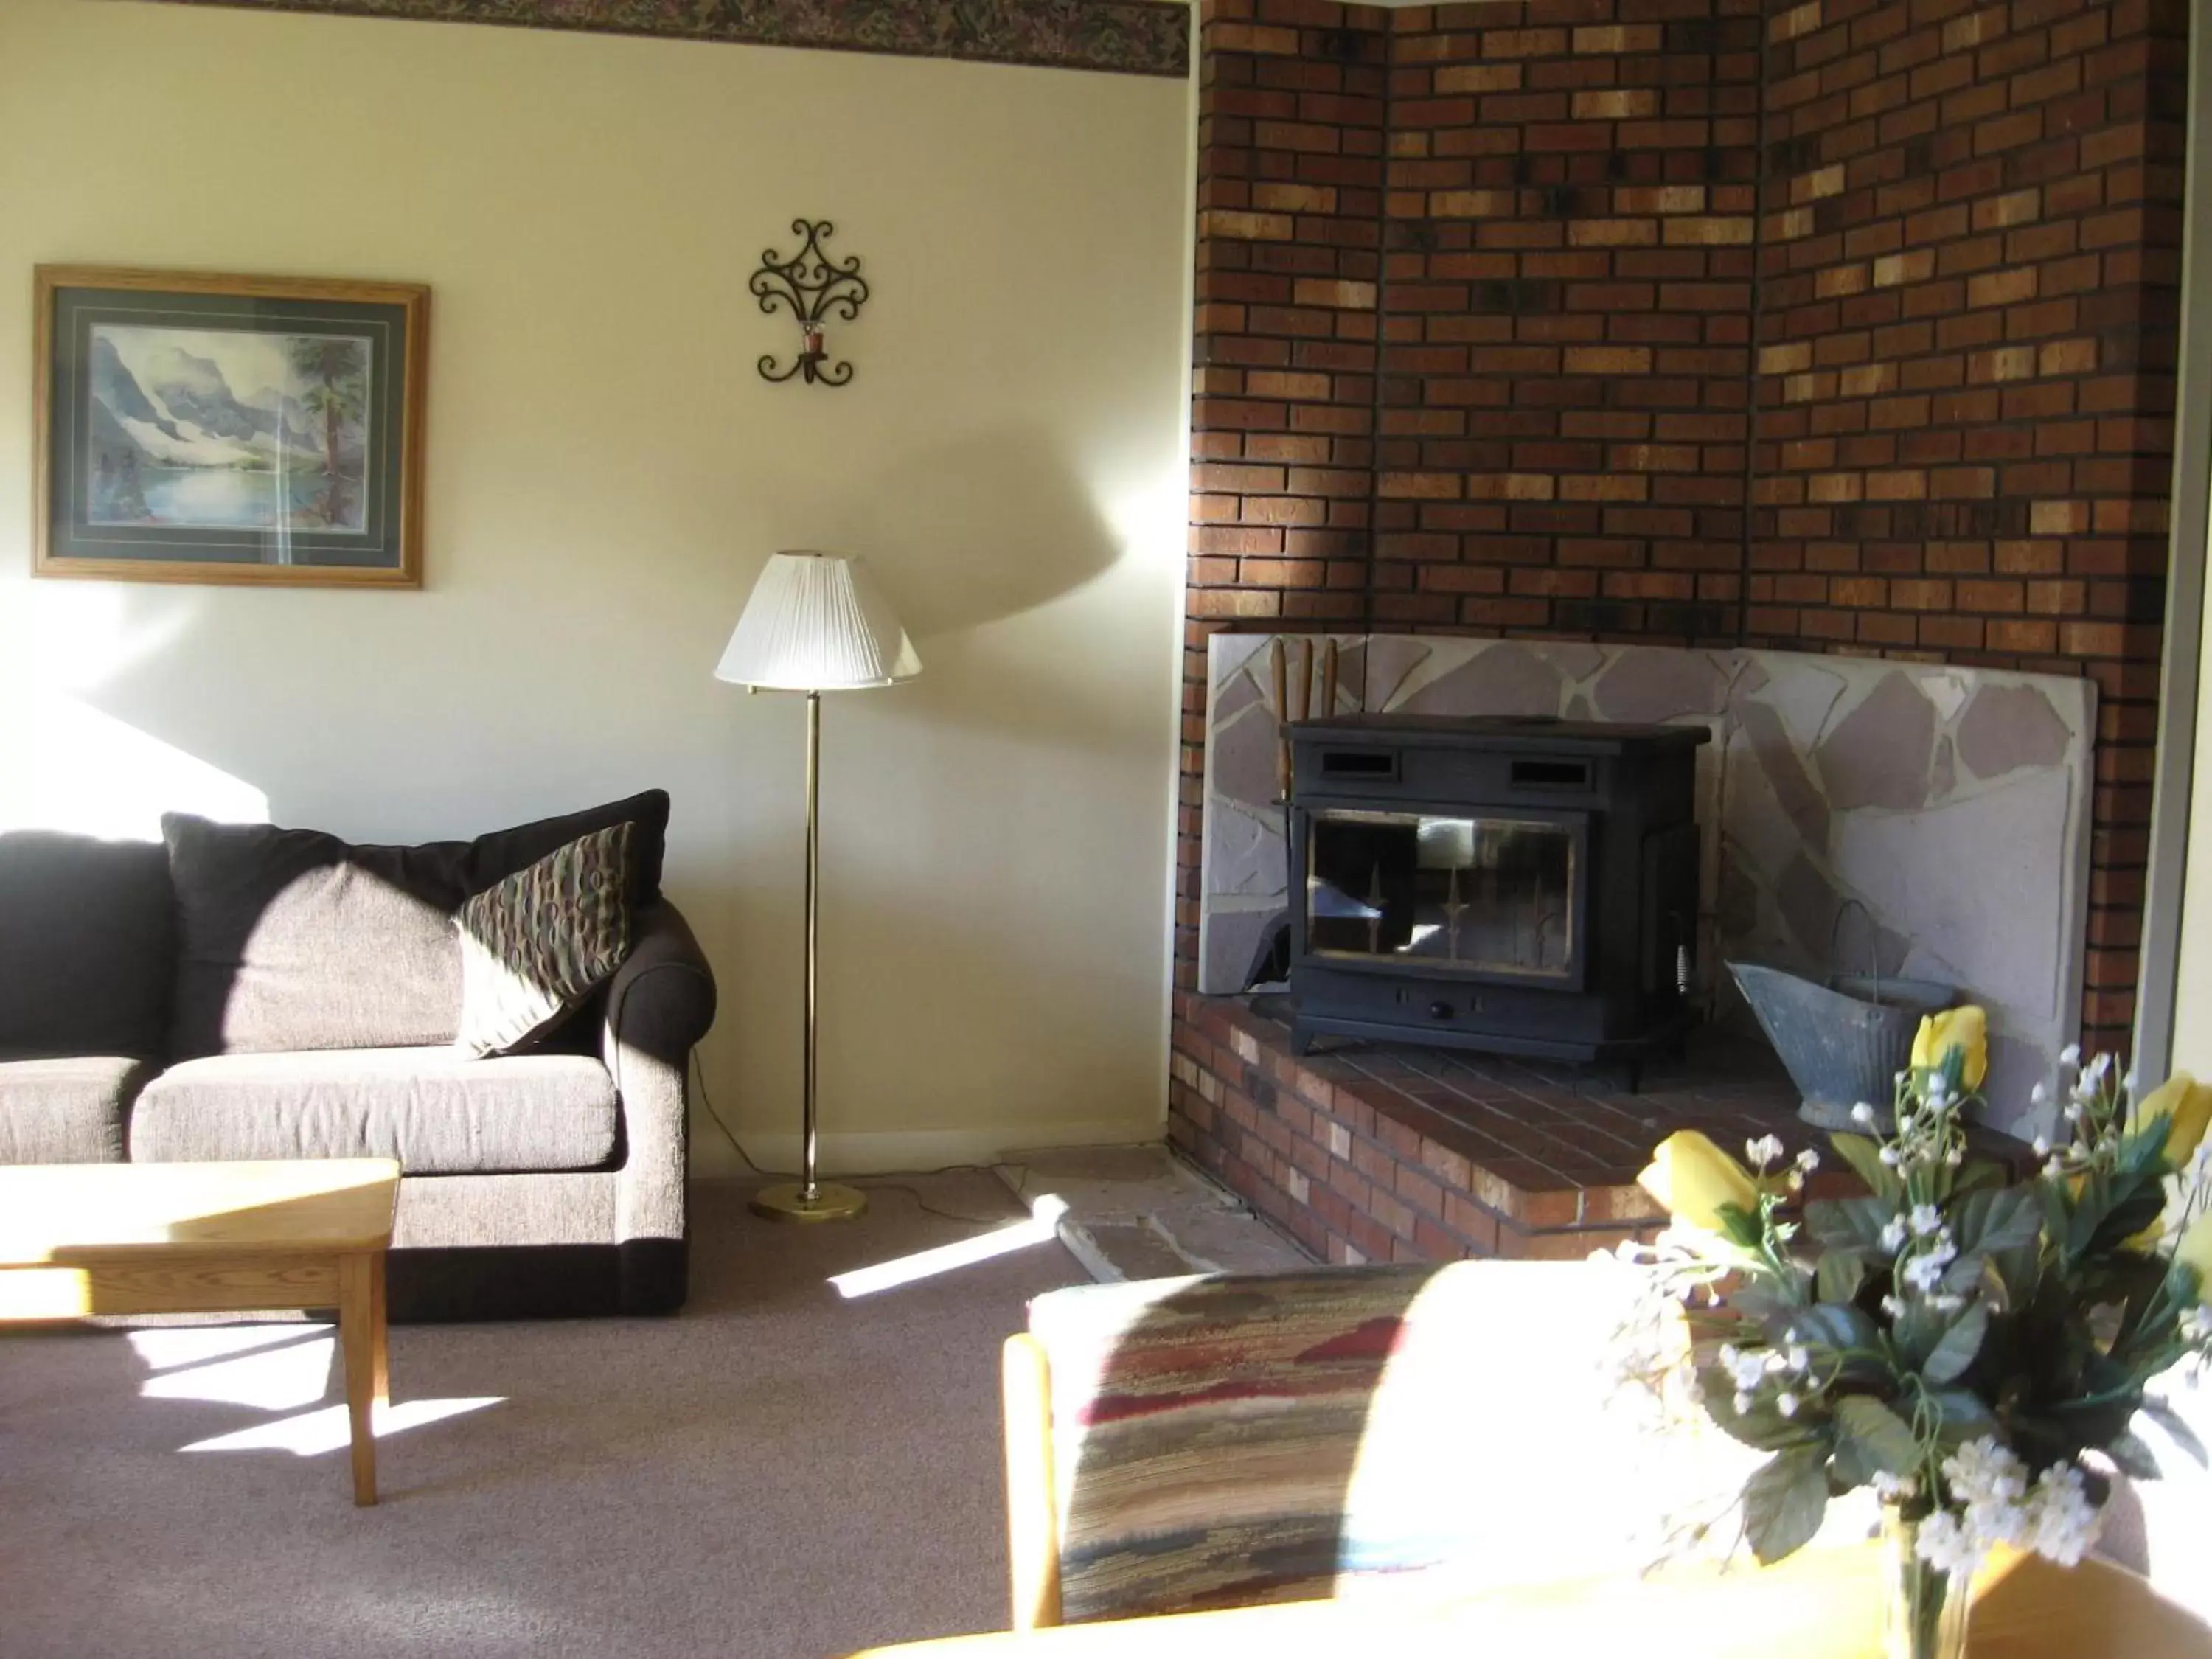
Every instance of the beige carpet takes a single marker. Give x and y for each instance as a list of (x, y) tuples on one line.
[(778, 1473)]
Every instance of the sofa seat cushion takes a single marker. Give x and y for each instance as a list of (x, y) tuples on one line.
[(67, 1110), (437, 1111)]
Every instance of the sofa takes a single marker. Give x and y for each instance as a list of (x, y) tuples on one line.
[(242, 991)]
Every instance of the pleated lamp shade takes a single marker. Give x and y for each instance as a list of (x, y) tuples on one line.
[(816, 622)]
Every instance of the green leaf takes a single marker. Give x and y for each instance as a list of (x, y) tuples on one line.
[(2057, 1207), (1762, 1426), (1783, 1501), (2008, 1281), (1977, 1176), (2177, 1428), (1864, 1156), (2144, 1153), (2134, 1202), (1958, 1346), (2132, 1456), (1916, 1331), (1962, 1415), (2110, 1210), (1994, 1219), (1834, 1324), (2184, 1284), (1766, 1300), (1741, 1226), (1884, 1437), (1850, 1223), (1853, 1466), (1837, 1276)]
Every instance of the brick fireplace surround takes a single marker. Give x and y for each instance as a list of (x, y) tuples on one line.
[(1843, 326)]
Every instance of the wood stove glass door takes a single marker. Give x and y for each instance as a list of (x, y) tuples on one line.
[(1490, 894)]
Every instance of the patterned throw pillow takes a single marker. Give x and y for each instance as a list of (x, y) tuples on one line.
[(537, 944)]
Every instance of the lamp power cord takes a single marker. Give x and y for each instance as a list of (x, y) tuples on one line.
[(895, 1180)]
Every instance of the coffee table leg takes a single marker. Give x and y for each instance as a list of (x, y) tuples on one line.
[(361, 1336), (380, 1390)]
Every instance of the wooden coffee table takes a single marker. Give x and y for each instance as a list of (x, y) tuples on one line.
[(137, 1238)]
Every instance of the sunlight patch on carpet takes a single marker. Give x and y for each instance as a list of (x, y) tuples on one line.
[(274, 1380), (166, 1348), (1041, 1228), (310, 1434)]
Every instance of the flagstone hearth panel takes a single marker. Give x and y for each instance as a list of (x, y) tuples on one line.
[(1941, 812)]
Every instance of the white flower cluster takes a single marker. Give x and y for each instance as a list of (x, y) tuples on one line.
[(2095, 1113), (1996, 1503), (1750, 1368), (1926, 1136), (1923, 1270), (1767, 1151)]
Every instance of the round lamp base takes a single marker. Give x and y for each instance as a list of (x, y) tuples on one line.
[(788, 1201)]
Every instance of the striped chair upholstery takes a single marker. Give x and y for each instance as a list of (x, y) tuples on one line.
[(1231, 1440)]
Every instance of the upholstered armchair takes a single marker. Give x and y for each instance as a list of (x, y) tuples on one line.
[(1187, 1444)]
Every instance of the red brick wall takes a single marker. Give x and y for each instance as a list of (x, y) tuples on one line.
[(1567, 317), (1969, 286), (1291, 100), (1952, 236)]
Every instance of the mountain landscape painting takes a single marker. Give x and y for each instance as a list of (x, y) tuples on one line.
[(223, 428), (227, 430)]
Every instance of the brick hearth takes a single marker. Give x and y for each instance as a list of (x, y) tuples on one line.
[(1378, 1152)]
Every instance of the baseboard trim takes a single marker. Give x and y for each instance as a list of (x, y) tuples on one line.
[(901, 1151)]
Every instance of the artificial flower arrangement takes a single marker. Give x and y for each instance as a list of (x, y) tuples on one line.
[(1974, 1349)]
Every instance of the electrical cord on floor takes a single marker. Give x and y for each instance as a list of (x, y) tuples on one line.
[(884, 1183)]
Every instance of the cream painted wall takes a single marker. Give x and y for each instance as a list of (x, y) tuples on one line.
[(606, 472)]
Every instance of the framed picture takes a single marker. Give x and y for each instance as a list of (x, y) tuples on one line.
[(208, 429)]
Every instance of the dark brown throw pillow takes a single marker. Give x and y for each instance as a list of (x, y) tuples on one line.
[(535, 945)]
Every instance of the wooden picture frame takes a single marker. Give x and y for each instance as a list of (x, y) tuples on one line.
[(197, 427)]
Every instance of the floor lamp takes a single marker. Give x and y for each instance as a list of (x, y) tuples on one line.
[(815, 623)]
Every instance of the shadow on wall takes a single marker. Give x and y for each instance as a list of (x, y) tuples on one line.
[(956, 533)]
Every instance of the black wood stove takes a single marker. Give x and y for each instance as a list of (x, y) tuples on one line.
[(1524, 886)]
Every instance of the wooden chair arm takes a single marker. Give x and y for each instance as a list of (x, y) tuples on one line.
[(1032, 1515)]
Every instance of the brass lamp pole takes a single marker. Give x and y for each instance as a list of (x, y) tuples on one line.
[(815, 623)]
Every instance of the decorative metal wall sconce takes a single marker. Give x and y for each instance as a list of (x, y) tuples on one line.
[(813, 286)]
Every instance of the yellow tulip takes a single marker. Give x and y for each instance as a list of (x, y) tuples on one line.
[(1693, 1178), (2196, 1249), (2184, 1106), (1966, 1028)]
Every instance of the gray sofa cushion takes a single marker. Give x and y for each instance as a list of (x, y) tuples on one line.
[(291, 939), (294, 940), (67, 1110), (86, 941), (436, 1111)]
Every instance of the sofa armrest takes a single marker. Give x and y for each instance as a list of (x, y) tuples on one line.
[(660, 1002)]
